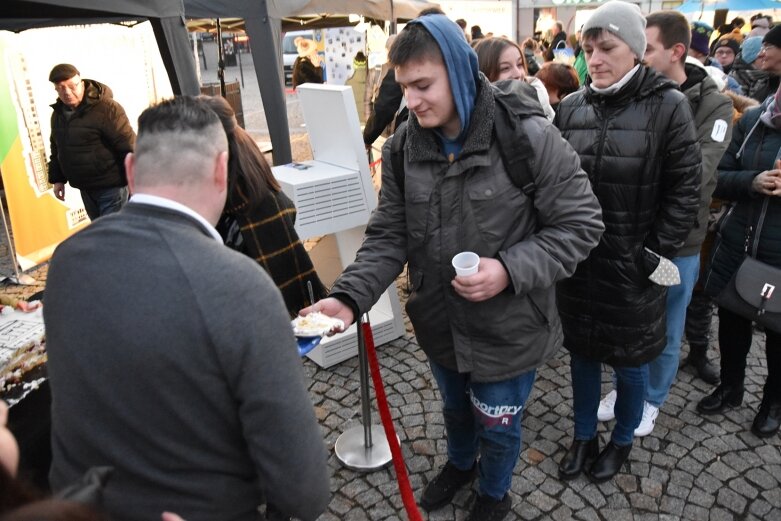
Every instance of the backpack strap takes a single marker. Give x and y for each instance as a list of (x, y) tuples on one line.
[(398, 140), (515, 148)]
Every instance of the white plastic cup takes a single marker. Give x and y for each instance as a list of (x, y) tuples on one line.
[(466, 263)]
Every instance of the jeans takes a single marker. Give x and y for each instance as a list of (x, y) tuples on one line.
[(662, 370), (103, 201), (586, 389), (484, 418), (735, 336)]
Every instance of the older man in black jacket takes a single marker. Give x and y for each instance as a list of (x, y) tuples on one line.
[(90, 138)]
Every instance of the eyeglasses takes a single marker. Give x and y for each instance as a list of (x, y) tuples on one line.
[(67, 86), (724, 52), (766, 47)]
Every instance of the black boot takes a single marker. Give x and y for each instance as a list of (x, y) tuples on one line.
[(724, 397), (768, 419), (609, 462), (490, 509), (272, 514), (698, 359), (441, 490), (579, 456)]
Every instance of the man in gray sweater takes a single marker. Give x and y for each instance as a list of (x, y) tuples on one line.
[(171, 357)]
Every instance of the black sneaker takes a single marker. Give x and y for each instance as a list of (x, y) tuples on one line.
[(489, 509), (440, 490)]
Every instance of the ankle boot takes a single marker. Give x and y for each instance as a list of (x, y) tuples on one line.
[(579, 456), (768, 419), (609, 462), (724, 397), (706, 370)]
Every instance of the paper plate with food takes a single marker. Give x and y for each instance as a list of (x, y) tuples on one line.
[(310, 330)]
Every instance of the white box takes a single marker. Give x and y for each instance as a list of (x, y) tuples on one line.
[(328, 198)]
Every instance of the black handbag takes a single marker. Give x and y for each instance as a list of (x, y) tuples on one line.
[(754, 291)]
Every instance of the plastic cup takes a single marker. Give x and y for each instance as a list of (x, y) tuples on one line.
[(466, 263)]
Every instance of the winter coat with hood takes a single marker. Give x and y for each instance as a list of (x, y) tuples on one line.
[(445, 207), (640, 151), (88, 148), (713, 122), (753, 149)]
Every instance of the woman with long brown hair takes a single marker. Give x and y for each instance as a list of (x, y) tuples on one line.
[(503, 59), (258, 219)]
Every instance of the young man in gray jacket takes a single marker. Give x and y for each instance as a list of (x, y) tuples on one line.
[(484, 334), (668, 37)]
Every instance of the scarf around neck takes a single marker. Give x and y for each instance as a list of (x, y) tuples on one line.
[(612, 89), (771, 116)]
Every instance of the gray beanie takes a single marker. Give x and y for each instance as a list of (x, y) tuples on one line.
[(623, 20)]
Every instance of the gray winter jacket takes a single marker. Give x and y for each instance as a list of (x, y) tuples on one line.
[(472, 204), (713, 121)]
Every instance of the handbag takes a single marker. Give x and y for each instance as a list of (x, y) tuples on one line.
[(563, 54), (754, 291)]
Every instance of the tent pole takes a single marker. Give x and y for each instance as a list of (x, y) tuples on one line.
[(18, 277), (392, 18), (220, 60)]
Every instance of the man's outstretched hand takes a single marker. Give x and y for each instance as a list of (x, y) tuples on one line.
[(333, 308)]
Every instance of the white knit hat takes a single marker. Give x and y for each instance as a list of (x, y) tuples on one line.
[(623, 20)]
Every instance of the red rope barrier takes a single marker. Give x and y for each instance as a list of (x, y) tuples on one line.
[(374, 164), (390, 432)]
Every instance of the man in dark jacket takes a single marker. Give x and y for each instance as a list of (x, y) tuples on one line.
[(90, 138), (668, 35), (198, 404), (484, 334)]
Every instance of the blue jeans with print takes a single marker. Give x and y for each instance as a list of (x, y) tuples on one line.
[(586, 388), (103, 201), (662, 370), (484, 418)]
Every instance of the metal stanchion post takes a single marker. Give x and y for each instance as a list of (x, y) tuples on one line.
[(363, 447)]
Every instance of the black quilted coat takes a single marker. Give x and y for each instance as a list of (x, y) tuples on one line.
[(639, 148)]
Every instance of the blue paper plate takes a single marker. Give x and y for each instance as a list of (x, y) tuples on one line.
[(307, 343)]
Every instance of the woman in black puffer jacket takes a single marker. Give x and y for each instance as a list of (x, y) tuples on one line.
[(633, 130), (750, 177)]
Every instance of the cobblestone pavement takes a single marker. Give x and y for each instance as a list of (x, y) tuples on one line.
[(690, 468)]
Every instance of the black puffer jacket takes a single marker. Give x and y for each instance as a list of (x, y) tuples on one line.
[(640, 151), (753, 149), (89, 148)]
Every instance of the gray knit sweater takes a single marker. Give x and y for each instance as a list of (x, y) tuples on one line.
[(172, 360)]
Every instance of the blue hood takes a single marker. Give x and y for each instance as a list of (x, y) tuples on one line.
[(460, 62)]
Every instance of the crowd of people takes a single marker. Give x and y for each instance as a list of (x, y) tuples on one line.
[(648, 107), (625, 203)]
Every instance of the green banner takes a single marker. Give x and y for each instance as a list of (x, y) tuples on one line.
[(9, 129)]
